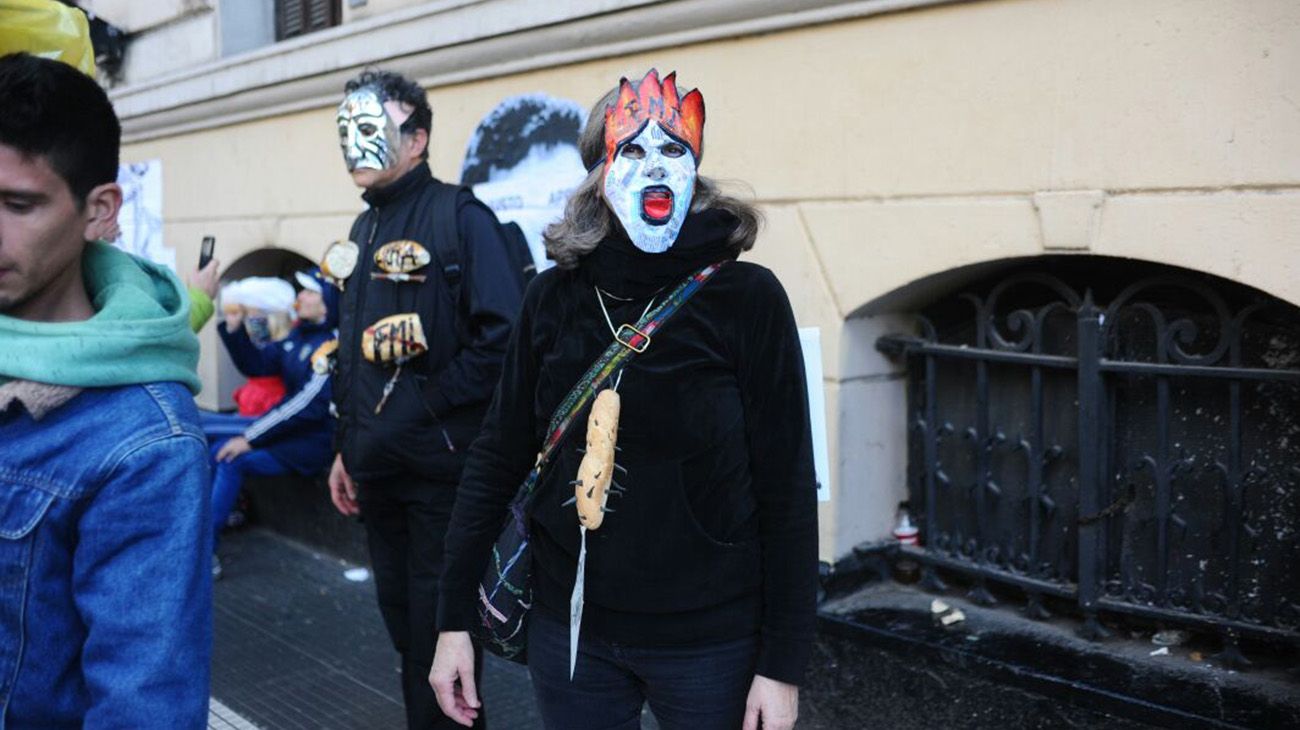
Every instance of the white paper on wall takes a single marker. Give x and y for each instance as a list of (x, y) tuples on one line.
[(141, 218), (534, 194), (810, 340)]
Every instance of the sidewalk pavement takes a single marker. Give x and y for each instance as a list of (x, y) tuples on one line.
[(299, 646)]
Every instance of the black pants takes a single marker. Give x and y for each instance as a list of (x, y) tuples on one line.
[(700, 687), (406, 521)]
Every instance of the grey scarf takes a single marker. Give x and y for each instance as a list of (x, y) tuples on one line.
[(38, 398)]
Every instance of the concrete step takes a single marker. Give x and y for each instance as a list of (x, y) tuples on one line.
[(885, 660)]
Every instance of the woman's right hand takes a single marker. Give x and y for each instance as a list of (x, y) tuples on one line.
[(453, 661)]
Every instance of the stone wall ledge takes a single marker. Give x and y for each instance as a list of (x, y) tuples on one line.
[(883, 661), (455, 41)]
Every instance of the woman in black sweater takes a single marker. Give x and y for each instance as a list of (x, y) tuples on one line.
[(700, 583)]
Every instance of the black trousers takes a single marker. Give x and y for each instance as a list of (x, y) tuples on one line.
[(406, 521)]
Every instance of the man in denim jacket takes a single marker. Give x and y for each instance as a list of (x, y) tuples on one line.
[(105, 589)]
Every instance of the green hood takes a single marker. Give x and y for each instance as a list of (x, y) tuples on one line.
[(140, 332)]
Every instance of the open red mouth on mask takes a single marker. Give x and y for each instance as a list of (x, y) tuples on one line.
[(657, 204)]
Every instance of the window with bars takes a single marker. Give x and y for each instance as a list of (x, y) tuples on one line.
[(298, 17)]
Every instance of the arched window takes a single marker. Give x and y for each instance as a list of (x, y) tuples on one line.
[(1120, 435), (279, 262)]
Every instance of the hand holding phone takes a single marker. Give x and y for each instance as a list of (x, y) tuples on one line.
[(206, 276), (205, 250)]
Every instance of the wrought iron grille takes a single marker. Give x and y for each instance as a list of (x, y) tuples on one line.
[(1139, 457)]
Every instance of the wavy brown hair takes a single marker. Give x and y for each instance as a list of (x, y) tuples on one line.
[(588, 220)]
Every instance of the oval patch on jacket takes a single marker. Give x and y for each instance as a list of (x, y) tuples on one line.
[(401, 257), (394, 339)]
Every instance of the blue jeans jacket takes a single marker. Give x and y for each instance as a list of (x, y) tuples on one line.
[(105, 580)]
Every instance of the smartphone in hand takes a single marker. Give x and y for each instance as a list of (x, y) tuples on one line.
[(205, 250)]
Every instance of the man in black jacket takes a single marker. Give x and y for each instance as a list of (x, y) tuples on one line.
[(421, 339)]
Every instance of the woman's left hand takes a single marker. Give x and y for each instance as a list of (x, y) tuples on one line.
[(772, 705)]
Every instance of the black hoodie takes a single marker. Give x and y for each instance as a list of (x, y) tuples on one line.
[(438, 401), (716, 536)]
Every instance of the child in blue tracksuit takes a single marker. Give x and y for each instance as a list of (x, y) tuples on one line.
[(293, 437)]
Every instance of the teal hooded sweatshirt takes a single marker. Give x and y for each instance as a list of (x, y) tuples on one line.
[(140, 332)]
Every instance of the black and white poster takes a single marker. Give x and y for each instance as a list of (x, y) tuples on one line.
[(523, 162)]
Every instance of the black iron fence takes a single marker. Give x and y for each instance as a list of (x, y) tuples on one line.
[(1139, 457)]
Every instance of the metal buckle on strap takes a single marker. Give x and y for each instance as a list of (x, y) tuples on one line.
[(627, 335)]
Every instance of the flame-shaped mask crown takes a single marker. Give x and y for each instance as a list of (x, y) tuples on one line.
[(649, 100)]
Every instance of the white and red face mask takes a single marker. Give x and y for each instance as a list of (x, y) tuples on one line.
[(652, 142), (649, 186)]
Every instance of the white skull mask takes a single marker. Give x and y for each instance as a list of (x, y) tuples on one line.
[(649, 186), (368, 134)]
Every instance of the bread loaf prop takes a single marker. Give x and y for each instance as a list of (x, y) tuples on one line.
[(397, 259), (591, 490), (323, 359), (394, 340), (339, 262), (595, 479)]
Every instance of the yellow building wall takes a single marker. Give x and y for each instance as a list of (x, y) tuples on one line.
[(885, 150)]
